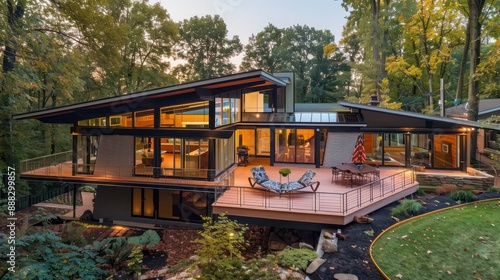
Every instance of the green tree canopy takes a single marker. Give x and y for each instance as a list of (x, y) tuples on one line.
[(206, 48)]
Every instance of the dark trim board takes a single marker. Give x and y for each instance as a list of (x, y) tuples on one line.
[(153, 132)]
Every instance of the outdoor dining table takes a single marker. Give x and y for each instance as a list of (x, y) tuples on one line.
[(356, 169)]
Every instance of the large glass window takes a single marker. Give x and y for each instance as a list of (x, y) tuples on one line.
[(225, 155), (227, 111), (87, 150), (421, 150), (190, 115), (143, 202), (492, 141), (259, 102), (93, 122), (172, 204), (144, 118), (124, 120), (295, 145), (144, 148)]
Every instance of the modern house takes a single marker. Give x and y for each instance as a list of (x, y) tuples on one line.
[(170, 154)]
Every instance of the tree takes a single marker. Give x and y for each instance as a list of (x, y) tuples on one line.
[(11, 29), (220, 239), (430, 34), (313, 56), (205, 47), (128, 43), (265, 51)]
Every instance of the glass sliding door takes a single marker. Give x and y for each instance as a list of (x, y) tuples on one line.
[(263, 147), (170, 204), (295, 145)]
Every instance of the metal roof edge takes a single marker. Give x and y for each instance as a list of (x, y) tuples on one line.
[(253, 73), (411, 114)]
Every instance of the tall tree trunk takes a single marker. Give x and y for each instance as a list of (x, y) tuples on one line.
[(375, 41), (15, 12), (475, 10), (463, 64)]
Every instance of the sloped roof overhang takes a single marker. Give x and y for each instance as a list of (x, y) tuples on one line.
[(187, 92), (389, 120)]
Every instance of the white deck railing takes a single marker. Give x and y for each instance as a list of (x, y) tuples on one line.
[(315, 201)]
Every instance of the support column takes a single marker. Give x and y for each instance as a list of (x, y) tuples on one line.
[(74, 156), (407, 137), (74, 200), (211, 159), (317, 147), (272, 149), (157, 172)]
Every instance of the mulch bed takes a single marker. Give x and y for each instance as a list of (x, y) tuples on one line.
[(354, 256)]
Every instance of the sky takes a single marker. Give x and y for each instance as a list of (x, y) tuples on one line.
[(247, 17)]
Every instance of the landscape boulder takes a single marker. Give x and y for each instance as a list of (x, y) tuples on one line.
[(314, 265), (363, 219)]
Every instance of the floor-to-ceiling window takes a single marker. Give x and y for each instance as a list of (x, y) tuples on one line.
[(294, 145), (169, 204)]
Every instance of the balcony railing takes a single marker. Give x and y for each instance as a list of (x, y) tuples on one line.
[(316, 201), (45, 161), (135, 173)]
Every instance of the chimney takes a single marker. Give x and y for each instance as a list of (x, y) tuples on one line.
[(374, 100)]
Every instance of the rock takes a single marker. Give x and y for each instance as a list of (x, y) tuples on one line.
[(276, 243), (86, 216), (305, 245), (314, 265), (328, 246), (194, 258), (345, 276), (363, 219), (328, 235)]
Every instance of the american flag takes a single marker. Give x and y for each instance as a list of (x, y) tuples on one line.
[(358, 155)]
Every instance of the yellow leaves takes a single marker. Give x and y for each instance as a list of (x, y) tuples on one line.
[(396, 65), (329, 49)]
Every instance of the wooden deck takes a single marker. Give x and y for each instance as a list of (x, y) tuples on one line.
[(333, 202)]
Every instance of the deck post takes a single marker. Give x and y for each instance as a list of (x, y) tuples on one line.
[(74, 200)]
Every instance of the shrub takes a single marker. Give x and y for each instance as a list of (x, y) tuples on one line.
[(493, 189), (296, 258), (407, 209), (113, 251), (420, 191), (285, 171), (148, 240), (445, 189), (221, 239), (87, 188), (463, 196)]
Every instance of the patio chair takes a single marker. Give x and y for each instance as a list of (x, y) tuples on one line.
[(303, 182), (260, 178)]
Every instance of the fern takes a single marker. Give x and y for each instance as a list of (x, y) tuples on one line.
[(148, 240)]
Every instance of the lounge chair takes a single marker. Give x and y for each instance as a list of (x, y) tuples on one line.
[(260, 178)]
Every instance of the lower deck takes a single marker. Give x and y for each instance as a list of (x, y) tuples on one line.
[(334, 202)]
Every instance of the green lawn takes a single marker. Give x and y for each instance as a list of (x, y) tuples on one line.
[(458, 243)]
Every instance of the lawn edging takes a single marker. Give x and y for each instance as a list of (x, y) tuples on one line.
[(418, 217)]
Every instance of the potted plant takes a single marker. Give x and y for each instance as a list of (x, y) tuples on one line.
[(285, 171)]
